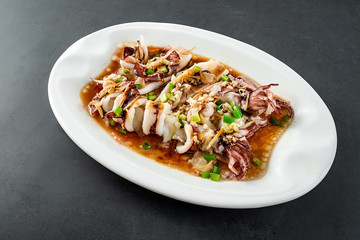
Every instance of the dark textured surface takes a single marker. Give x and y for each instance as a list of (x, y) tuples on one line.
[(50, 189)]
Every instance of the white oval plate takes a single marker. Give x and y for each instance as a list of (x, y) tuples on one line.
[(299, 162)]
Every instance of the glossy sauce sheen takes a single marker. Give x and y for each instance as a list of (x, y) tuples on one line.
[(262, 142)]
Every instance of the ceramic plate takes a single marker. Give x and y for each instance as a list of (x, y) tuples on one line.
[(301, 159)]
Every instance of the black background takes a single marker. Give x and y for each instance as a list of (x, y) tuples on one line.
[(50, 189)]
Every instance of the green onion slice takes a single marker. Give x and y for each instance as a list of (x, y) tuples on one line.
[(196, 68), (225, 78), (149, 71), (138, 85), (237, 112), (171, 86), (215, 177), (216, 170), (182, 123), (153, 97), (126, 71), (256, 161), (182, 117), (282, 123), (228, 119), (205, 174), (274, 121), (118, 111), (123, 131), (218, 102), (209, 156), (286, 118), (163, 69), (146, 146), (196, 118), (228, 128), (169, 95), (232, 104), (119, 79), (112, 123), (240, 112)]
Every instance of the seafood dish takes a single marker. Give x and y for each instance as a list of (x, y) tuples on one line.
[(188, 111)]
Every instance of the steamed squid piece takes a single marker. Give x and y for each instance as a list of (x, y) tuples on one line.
[(193, 112)]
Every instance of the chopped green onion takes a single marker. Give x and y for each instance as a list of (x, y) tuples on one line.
[(157, 55), (171, 86), (119, 80), (274, 121), (163, 98), (112, 123), (216, 170), (118, 111), (146, 146), (196, 117), (169, 95), (164, 69), (152, 98), (196, 68), (282, 123), (215, 177), (218, 102), (126, 71), (237, 112), (228, 128), (239, 109), (209, 156), (256, 161), (286, 118), (182, 123), (225, 78), (182, 117), (232, 104), (228, 119), (149, 71), (138, 85), (205, 174), (218, 108), (123, 131)]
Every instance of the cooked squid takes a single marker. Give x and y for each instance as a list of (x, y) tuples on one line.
[(201, 107)]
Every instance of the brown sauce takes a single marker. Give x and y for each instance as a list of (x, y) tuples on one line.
[(262, 142)]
